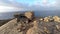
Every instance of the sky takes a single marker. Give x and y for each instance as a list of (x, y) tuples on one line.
[(31, 2), (29, 5), (50, 6)]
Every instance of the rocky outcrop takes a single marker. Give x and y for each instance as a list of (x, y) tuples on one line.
[(26, 24), (56, 18), (35, 29), (29, 15)]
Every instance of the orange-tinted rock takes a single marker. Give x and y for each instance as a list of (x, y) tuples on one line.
[(29, 15)]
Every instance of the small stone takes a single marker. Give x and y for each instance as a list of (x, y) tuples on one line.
[(46, 30), (46, 19), (19, 30), (57, 27), (41, 19), (51, 20)]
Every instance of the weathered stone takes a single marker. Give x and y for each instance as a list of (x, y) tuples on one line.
[(57, 27), (56, 19), (41, 19), (51, 20), (46, 19), (20, 17), (35, 29), (29, 15), (17, 15), (46, 30)]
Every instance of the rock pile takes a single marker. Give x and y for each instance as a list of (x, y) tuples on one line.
[(25, 21), (50, 19), (28, 25)]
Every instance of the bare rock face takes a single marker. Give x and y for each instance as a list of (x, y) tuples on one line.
[(29, 15), (26, 15), (22, 24), (20, 17), (34, 29)]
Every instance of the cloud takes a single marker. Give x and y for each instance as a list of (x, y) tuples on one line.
[(36, 5), (9, 6), (9, 9)]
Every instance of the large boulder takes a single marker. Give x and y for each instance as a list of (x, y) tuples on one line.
[(56, 18), (20, 16), (29, 15)]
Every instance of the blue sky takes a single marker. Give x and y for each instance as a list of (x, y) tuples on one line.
[(33, 4), (28, 1)]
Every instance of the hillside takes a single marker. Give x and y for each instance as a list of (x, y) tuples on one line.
[(26, 24)]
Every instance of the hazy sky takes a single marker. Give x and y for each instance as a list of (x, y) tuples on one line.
[(22, 5), (32, 4)]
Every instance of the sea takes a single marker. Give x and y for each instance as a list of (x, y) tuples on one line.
[(10, 15)]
